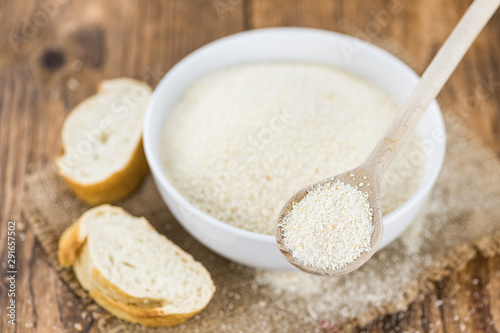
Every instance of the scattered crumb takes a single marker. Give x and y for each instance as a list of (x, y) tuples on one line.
[(20, 226), (73, 84), (77, 65)]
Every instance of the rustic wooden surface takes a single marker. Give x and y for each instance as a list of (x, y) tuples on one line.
[(53, 52)]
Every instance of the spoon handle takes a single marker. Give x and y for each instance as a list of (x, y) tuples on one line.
[(431, 82)]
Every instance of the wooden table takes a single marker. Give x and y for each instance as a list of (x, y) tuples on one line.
[(53, 52)]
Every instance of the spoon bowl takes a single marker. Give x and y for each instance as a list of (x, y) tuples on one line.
[(361, 179)]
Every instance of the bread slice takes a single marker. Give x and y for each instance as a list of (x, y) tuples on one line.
[(132, 271), (103, 158)]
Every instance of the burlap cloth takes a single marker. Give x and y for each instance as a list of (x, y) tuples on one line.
[(461, 218)]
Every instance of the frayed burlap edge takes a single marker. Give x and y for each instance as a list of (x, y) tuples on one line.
[(454, 260)]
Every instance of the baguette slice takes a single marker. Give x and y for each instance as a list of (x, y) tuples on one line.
[(133, 271), (103, 158)]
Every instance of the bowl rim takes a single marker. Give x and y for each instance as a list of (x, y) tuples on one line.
[(154, 160)]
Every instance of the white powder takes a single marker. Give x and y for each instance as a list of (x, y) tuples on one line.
[(330, 227), (242, 140)]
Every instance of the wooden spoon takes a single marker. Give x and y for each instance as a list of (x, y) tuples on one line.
[(374, 167)]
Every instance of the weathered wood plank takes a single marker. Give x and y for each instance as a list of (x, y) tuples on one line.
[(48, 65)]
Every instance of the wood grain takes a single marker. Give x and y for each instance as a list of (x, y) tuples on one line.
[(47, 70)]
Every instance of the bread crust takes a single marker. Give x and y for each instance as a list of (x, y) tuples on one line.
[(116, 186), (73, 251), (123, 311), (69, 245)]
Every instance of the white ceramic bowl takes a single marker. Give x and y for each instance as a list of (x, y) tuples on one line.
[(359, 57)]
